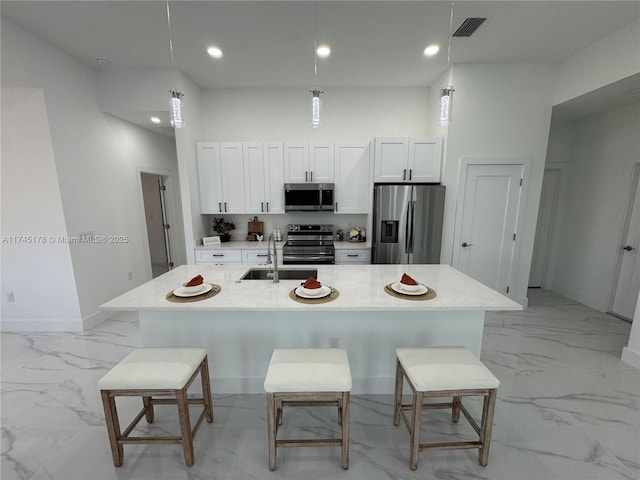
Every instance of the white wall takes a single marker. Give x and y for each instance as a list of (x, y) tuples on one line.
[(604, 148), (500, 111), (611, 59), (37, 270), (95, 158), (631, 353), (348, 114)]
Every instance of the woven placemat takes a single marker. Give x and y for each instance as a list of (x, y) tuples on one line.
[(329, 298), (426, 296), (196, 298)]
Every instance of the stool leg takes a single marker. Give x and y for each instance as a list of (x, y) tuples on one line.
[(206, 389), (455, 409), (346, 400), (113, 427), (397, 404), (416, 420), (271, 430), (185, 426), (487, 425), (148, 409)]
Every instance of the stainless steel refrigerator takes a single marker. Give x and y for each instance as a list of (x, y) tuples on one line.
[(407, 223)]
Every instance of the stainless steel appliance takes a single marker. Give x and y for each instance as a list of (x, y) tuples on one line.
[(308, 197), (407, 223), (308, 244)]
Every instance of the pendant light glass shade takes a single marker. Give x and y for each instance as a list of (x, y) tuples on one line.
[(176, 109), (446, 104), (315, 108)]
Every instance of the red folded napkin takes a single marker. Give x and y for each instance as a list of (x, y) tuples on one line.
[(198, 280), (312, 283), (407, 280)]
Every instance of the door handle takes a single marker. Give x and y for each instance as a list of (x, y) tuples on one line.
[(404, 174), (267, 207), (225, 206), (306, 176), (262, 206), (311, 176), (336, 206), (465, 244), (628, 248), (220, 206)]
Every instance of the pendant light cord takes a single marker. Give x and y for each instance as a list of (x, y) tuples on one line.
[(170, 38), (315, 44), (449, 48)]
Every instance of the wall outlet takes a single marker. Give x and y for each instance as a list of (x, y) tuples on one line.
[(130, 275), (334, 342), (10, 297)]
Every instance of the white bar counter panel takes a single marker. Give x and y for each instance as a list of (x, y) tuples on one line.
[(241, 325)]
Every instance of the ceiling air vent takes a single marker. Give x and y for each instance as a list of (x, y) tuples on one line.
[(469, 26)]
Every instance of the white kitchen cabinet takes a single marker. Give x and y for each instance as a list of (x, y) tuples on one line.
[(353, 178), (309, 162), (254, 257), (408, 159), (219, 257), (263, 177), (355, 255), (221, 177)]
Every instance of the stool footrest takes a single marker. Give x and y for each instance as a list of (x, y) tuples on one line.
[(307, 403), (312, 442), (450, 445)]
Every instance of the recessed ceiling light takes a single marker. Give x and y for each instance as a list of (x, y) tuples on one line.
[(323, 51), (431, 50), (155, 120), (214, 52)]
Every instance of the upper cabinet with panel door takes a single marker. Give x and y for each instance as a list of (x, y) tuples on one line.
[(408, 159), (309, 162), (264, 177), (353, 178), (221, 177)]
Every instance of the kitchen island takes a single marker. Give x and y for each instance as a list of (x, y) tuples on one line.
[(246, 320)]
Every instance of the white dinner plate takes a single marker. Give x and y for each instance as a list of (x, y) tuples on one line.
[(179, 292), (323, 291), (397, 287)]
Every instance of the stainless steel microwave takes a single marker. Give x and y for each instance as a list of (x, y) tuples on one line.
[(308, 197)]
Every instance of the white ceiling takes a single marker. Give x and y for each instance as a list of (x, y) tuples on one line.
[(271, 44)]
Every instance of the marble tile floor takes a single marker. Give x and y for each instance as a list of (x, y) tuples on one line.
[(567, 408)]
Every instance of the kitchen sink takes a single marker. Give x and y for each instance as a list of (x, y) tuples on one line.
[(283, 274)]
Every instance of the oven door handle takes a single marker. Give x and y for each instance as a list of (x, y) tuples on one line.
[(306, 257)]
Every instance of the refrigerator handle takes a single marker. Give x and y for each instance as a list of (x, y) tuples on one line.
[(412, 208), (406, 229)]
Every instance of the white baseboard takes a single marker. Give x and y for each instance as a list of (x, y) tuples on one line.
[(95, 319), (631, 357), (598, 304)]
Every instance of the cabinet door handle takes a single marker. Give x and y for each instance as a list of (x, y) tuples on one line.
[(225, 206), (410, 173), (262, 206), (261, 254), (312, 176), (220, 206), (305, 176), (218, 254), (352, 255), (404, 174), (336, 206), (267, 207)]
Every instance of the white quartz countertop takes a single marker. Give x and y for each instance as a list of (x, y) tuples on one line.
[(361, 288)]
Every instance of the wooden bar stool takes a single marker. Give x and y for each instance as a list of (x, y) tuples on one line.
[(308, 377), (156, 372), (444, 372)]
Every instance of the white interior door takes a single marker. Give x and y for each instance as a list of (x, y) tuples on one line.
[(487, 220), (628, 285), (548, 199)]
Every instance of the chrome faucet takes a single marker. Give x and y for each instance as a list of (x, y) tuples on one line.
[(276, 277)]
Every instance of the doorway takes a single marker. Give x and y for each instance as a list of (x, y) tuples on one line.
[(154, 194), (544, 228), (490, 202), (627, 284)]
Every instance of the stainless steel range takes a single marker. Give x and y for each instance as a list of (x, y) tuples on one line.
[(308, 244)]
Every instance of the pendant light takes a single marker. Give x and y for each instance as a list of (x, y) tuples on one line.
[(446, 93), (175, 96), (316, 102)]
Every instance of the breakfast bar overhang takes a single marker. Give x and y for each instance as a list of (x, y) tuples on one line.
[(242, 324)]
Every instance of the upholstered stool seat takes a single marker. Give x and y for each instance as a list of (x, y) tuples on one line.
[(151, 373), (308, 377), (444, 372)]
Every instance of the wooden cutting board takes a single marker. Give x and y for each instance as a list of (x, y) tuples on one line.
[(255, 226)]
